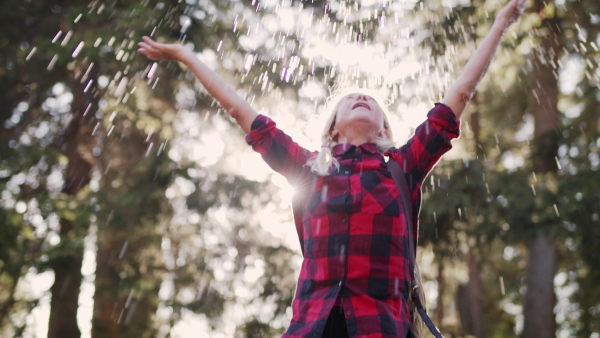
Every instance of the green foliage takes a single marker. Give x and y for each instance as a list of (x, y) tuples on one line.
[(255, 329), (475, 206)]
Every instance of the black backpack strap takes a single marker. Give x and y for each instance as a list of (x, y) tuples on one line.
[(400, 180)]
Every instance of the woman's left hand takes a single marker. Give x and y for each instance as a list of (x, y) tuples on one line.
[(511, 12), (162, 51)]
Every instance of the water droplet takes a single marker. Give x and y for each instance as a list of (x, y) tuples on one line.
[(122, 86), (66, 38), (557, 163), (129, 298), (53, 62), (57, 36), (30, 54), (149, 148), (88, 85), (152, 70), (185, 22), (123, 250)]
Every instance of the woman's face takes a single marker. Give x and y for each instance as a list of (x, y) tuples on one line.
[(359, 112)]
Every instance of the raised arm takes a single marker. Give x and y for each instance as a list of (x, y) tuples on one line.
[(461, 92), (235, 106)]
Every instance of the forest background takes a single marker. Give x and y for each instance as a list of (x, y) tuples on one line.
[(131, 206)]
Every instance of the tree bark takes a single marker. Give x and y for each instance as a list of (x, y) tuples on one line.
[(76, 143), (105, 295), (475, 291), (126, 295), (65, 290), (124, 305), (441, 282), (540, 298), (542, 254), (469, 299)]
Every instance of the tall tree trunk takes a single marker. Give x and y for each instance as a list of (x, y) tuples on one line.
[(475, 291), (124, 303), (76, 143), (126, 295), (106, 310), (65, 290), (441, 283), (540, 298), (542, 254), (469, 299), (475, 285)]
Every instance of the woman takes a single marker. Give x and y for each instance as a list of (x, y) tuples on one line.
[(354, 280)]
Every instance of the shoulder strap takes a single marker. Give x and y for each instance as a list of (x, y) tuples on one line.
[(400, 180)]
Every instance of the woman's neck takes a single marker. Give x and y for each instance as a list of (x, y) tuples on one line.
[(354, 141), (357, 134)]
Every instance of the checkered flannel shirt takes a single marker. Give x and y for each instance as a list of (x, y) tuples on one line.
[(352, 226)]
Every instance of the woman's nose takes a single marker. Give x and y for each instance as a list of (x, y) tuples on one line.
[(362, 97)]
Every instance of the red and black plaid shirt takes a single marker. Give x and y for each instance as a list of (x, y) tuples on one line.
[(352, 226)]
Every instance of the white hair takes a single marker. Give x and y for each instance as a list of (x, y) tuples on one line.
[(322, 163)]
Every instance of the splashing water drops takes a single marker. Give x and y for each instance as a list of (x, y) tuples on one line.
[(78, 49)]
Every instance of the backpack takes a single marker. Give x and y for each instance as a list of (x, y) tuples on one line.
[(399, 179)]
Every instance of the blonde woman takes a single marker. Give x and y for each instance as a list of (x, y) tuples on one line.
[(354, 280)]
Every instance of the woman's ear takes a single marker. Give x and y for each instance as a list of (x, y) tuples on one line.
[(334, 134)]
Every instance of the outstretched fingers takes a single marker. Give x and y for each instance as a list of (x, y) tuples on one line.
[(519, 6), (148, 50), (512, 11), (148, 40), (161, 51)]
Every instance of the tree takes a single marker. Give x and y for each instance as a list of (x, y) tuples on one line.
[(542, 254), (89, 129)]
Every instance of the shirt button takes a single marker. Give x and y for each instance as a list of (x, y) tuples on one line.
[(346, 172), (349, 313), (344, 220), (356, 150), (355, 159)]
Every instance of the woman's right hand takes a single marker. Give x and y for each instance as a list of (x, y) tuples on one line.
[(235, 106), (162, 51), (511, 12)]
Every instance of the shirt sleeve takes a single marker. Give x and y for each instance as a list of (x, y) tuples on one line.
[(430, 141), (278, 149)]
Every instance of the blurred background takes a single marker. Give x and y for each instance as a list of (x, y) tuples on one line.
[(132, 207)]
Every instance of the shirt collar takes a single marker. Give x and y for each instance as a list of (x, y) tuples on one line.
[(341, 149)]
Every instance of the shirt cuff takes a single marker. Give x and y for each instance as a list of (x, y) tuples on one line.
[(443, 116), (260, 127)]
